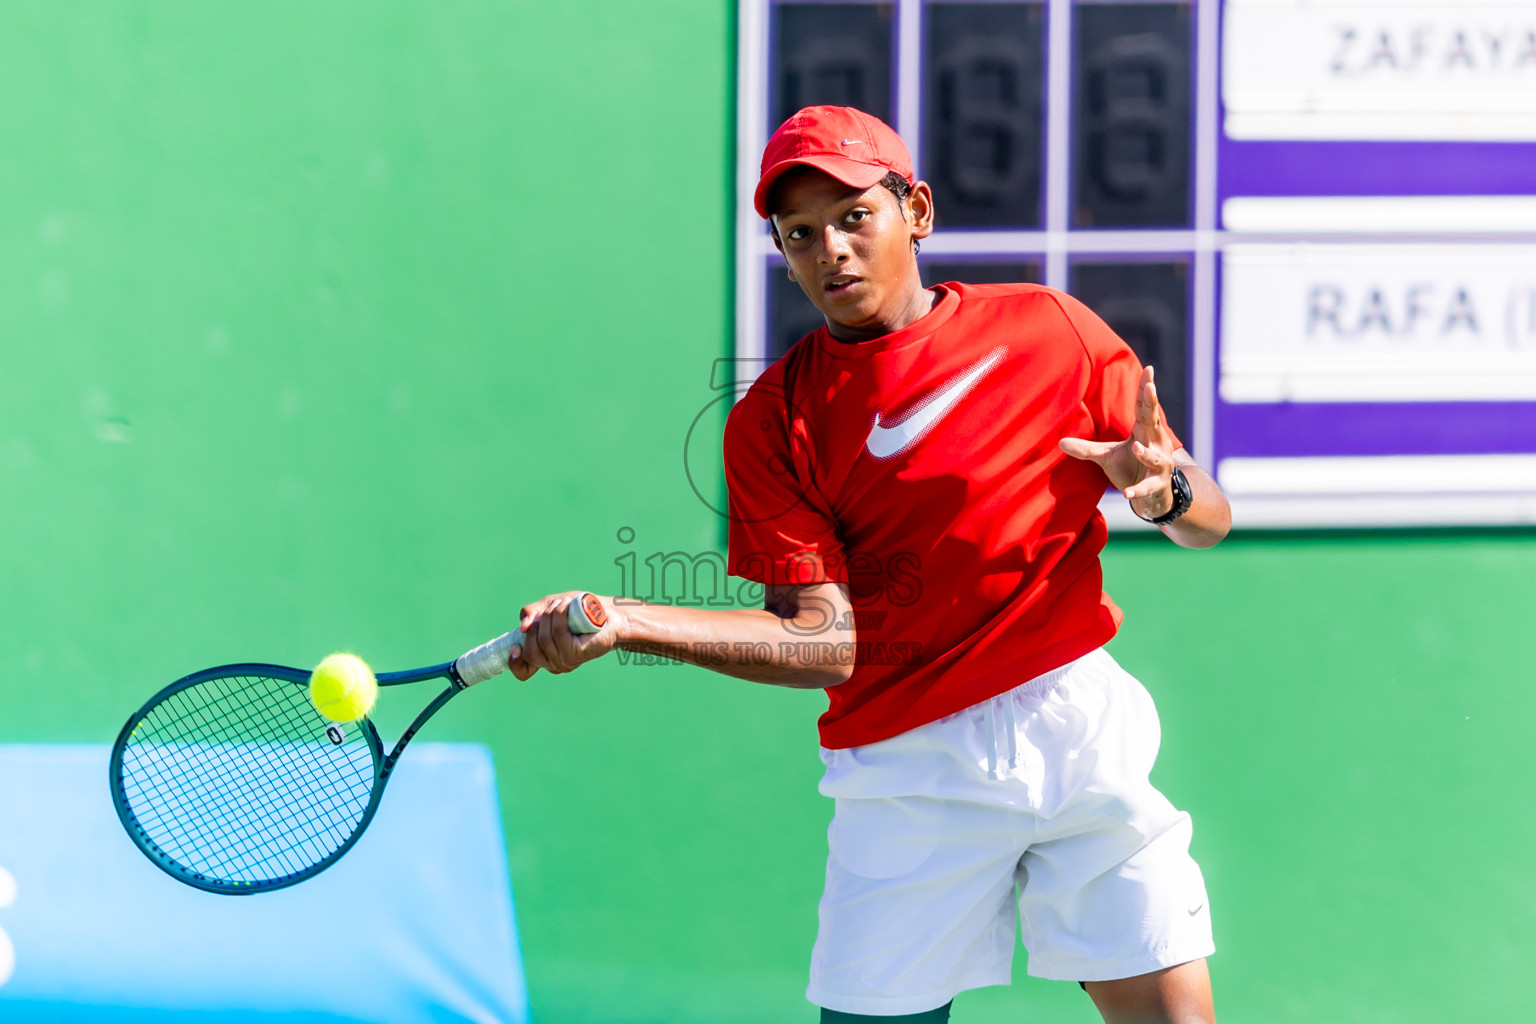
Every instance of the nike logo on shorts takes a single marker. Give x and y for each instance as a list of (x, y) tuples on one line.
[(1197, 908), (888, 440)]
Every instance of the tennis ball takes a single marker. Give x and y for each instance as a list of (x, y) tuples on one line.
[(342, 688)]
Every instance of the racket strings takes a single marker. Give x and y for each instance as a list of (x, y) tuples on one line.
[(247, 788), (275, 833), (259, 809), (235, 779), (250, 811)]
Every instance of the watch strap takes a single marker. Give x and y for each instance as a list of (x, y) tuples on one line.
[(1183, 497)]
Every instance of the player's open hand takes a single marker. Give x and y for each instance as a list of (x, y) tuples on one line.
[(548, 641), (1141, 466)]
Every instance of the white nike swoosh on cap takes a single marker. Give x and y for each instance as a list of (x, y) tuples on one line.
[(885, 441), (851, 142)]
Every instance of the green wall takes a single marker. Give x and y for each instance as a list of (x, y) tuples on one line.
[(355, 325)]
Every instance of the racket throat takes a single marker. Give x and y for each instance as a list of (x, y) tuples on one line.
[(387, 765)]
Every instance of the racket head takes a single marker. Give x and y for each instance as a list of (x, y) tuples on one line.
[(230, 780)]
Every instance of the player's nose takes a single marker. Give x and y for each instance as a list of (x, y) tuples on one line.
[(834, 245)]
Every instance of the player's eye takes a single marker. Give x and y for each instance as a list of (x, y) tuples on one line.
[(796, 234), (855, 216)]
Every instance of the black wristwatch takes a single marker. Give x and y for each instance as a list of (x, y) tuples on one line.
[(1183, 497)]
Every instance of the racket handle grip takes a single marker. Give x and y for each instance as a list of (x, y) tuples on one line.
[(585, 614)]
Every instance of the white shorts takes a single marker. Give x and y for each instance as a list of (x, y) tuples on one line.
[(1040, 792)]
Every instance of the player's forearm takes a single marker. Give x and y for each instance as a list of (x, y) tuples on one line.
[(1209, 517), (805, 650)]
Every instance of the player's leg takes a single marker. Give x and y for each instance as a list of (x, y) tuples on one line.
[(1108, 894), (1173, 995), (918, 906), (919, 898), (938, 1016)]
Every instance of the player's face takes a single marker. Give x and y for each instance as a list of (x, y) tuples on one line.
[(851, 250)]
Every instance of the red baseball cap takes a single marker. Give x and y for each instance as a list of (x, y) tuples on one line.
[(855, 148)]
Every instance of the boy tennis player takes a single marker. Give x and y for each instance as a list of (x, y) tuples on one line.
[(916, 487)]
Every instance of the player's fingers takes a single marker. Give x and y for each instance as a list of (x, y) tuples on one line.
[(559, 618), (540, 646), (549, 643), (1146, 401), (1079, 448), (536, 609), (520, 669), (532, 657), (1155, 458), (566, 653), (1145, 489), (1152, 456), (1159, 471), (543, 642), (1151, 420), (1160, 423)]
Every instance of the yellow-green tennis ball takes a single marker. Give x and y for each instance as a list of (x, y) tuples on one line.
[(342, 688)]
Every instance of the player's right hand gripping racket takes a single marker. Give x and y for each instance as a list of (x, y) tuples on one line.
[(231, 781)]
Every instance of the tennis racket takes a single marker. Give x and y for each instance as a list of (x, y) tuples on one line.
[(231, 781)]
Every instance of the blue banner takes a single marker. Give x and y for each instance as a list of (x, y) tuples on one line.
[(414, 925)]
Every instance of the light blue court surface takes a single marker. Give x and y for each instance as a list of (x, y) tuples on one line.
[(414, 925)]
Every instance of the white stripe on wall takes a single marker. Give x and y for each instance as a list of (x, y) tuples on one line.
[(1383, 214), (1379, 475)]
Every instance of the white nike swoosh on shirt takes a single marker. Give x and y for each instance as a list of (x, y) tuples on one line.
[(884, 442)]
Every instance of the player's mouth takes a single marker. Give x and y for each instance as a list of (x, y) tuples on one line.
[(840, 284)]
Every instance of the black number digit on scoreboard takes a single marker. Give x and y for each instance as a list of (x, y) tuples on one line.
[(835, 53), (1146, 303), (1131, 115), (983, 99)]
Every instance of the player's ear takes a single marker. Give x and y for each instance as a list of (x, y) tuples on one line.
[(919, 204)]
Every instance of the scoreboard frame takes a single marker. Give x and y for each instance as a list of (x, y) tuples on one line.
[(1366, 482)]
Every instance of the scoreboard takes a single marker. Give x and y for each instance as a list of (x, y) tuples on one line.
[(1317, 218)]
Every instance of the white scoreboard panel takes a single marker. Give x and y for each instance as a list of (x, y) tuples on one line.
[(1316, 217)]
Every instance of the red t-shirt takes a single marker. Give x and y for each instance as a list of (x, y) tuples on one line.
[(922, 469)]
